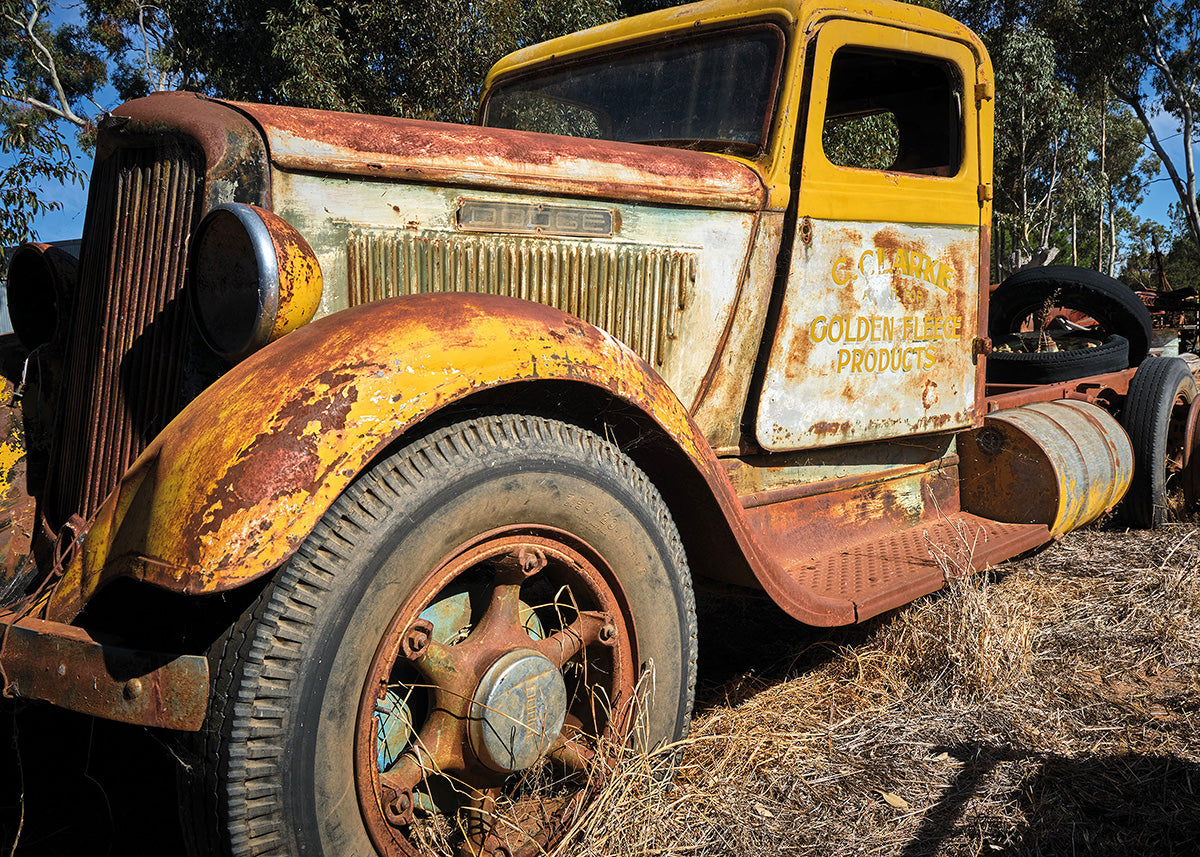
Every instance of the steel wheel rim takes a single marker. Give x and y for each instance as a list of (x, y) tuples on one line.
[(499, 811)]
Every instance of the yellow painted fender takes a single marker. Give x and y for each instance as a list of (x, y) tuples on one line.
[(235, 483)]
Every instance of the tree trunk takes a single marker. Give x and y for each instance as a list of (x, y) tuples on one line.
[(1103, 177), (1185, 185), (1074, 239)]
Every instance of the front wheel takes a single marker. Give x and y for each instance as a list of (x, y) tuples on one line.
[(454, 657)]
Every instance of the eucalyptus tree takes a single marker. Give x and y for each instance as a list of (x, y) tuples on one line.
[(62, 67), (50, 72), (1146, 53)]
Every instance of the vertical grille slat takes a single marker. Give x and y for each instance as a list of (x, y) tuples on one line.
[(125, 350), (632, 291)]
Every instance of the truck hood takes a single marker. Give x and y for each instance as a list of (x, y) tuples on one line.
[(467, 155)]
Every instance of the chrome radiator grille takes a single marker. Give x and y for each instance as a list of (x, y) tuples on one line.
[(635, 292), (124, 355)]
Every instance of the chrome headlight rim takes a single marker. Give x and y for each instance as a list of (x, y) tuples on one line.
[(259, 281), (262, 250)]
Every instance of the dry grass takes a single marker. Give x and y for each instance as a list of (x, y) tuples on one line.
[(1048, 708)]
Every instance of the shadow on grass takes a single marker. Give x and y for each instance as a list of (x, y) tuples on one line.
[(1122, 804)]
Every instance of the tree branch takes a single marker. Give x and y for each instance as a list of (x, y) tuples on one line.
[(1186, 189), (1182, 188), (30, 101), (45, 58)]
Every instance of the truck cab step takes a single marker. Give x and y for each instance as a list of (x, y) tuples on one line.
[(888, 572)]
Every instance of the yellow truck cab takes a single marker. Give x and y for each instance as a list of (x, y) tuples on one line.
[(380, 456)]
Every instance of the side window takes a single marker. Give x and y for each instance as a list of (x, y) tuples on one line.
[(893, 111)]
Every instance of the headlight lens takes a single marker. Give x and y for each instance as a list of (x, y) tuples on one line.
[(253, 278)]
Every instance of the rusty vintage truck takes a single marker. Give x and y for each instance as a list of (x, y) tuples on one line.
[(377, 458)]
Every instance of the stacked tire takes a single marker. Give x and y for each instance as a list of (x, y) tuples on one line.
[(1122, 320)]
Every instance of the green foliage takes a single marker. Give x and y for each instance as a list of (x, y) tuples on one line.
[(41, 156), (867, 142), (1143, 52), (418, 58), (1042, 143), (137, 38), (1179, 257), (1183, 264), (49, 76), (26, 51), (1071, 161)]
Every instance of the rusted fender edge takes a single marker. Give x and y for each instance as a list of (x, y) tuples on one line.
[(236, 482), (63, 665)]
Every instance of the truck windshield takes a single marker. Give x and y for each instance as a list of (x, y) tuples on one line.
[(713, 94)]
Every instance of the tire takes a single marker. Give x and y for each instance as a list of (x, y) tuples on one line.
[(1046, 367), (1110, 302), (436, 605), (1155, 418)]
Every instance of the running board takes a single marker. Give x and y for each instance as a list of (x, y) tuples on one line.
[(885, 573)]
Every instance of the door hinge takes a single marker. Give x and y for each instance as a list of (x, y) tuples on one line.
[(980, 345), (985, 193), (985, 90)]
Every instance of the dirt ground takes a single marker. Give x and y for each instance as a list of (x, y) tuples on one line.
[(1047, 708)]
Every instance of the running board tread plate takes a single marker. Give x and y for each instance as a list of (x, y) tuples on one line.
[(886, 573)]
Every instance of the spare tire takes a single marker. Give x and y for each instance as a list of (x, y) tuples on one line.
[(1046, 367), (1110, 302)]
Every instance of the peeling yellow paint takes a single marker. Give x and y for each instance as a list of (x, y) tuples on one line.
[(232, 486)]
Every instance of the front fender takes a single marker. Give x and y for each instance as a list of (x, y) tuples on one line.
[(234, 484)]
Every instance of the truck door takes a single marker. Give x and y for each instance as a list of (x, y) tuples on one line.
[(875, 334)]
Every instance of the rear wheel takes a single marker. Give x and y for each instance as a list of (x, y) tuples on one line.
[(451, 661), (1155, 417)]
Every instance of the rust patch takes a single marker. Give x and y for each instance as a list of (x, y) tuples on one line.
[(929, 396), (417, 150), (284, 458), (832, 428), (234, 149)]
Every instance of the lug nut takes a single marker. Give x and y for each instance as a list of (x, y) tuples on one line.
[(416, 639), (531, 560), (399, 811)]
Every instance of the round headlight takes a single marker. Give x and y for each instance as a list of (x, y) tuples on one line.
[(253, 278), (41, 280)]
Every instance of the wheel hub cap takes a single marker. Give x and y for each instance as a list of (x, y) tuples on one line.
[(518, 710)]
